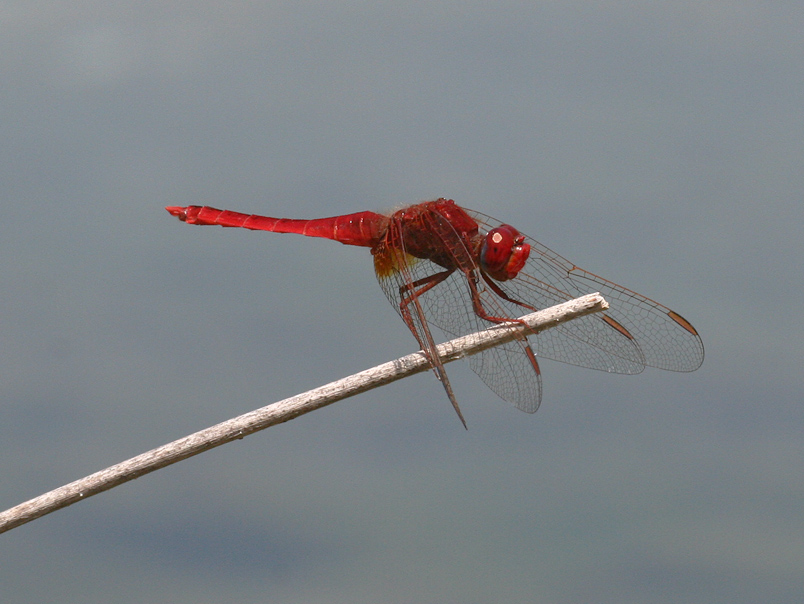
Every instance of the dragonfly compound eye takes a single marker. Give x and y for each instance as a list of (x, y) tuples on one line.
[(504, 253)]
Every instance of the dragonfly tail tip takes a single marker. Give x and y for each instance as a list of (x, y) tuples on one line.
[(180, 213)]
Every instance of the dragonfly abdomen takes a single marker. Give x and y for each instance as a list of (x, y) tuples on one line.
[(361, 228)]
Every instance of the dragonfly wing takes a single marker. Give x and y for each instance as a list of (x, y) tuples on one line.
[(510, 370), (592, 341), (634, 332)]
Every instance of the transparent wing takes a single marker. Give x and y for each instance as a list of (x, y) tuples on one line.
[(445, 298), (634, 332)]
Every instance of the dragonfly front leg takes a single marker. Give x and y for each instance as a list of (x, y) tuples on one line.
[(477, 306)]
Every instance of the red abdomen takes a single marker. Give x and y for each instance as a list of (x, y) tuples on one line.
[(362, 228)]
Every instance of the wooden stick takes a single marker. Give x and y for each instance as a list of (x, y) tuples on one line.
[(288, 409)]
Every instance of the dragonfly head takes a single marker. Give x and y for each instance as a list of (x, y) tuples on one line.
[(503, 253)]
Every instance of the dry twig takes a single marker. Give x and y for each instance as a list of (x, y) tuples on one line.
[(288, 409)]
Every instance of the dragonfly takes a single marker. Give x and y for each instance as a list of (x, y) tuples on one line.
[(462, 271)]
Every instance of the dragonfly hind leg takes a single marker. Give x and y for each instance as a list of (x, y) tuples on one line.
[(409, 294)]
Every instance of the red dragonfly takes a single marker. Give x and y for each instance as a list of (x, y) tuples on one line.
[(462, 271)]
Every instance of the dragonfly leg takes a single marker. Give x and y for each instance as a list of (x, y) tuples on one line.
[(498, 290), (409, 295), (477, 305)]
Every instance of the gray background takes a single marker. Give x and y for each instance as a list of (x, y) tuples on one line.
[(658, 144)]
